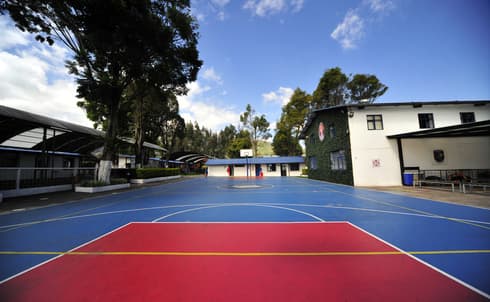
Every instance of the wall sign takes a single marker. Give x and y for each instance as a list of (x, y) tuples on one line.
[(439, 155), (321, 131)]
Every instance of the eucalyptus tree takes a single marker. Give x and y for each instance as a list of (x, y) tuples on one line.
[(257, 126), (336, 88), (109, 53)]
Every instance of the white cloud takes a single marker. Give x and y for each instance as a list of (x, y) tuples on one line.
[(11, 36), (350, 31), (33, 78), (297, 5), (380, 6), (195, 106), (220, 3), (263, 8), (211, 75), (281, 96)]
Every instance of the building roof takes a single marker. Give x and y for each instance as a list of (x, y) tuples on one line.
[(256, 160), (346, 107), (481, 128), (22, 129), (413, 104)]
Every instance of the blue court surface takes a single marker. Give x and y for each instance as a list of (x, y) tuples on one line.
[(453, 239)]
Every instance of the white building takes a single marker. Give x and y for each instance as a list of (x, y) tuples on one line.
[(374, 144), (259, 166)]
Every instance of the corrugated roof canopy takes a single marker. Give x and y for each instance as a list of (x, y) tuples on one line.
[(22, 129)]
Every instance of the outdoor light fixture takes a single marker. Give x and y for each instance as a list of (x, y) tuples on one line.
[(351, 113)]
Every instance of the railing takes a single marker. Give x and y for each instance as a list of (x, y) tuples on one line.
[(474, 175), (22, 178), (475, 180)]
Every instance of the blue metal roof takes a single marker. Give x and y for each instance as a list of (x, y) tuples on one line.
[(256, 160)]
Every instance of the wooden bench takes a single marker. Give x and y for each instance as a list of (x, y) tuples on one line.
[(435, 182)]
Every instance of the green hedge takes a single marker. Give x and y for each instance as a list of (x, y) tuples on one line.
[(156, 172)]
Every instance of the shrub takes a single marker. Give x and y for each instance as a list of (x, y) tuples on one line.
[(156, 172), (304, 171)]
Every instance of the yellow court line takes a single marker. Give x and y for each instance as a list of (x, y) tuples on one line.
[(244, 254)]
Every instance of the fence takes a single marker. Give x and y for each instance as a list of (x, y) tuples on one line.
[(466, 175), (23, 178)]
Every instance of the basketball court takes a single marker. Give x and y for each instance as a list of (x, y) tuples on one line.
[(235, 239)]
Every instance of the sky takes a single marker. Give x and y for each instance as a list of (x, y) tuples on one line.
[(258, 51)]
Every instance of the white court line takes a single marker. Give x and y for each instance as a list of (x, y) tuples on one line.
[(244, 204), (424, 263), (238, 205), (75, 248)]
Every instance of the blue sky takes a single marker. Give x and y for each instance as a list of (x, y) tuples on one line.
[(259, 51)]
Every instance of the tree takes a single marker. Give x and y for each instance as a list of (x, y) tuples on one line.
[(365, 87), (335, 88), (257, 126), (291, 123), (331, 90), (225, 137), (295, 112), (110, 53), (284, 144), (242, 141), (172, 131)]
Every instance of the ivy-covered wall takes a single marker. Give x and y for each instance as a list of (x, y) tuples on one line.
[(320, 148)]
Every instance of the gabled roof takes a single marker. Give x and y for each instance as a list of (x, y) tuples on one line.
[(481, 128), (256, 160)]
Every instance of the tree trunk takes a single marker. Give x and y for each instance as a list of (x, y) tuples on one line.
[(104, 173), (139, 134)]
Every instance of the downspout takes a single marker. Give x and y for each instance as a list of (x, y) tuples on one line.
[(400, 157)]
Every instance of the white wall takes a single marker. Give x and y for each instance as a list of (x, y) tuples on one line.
[(459, 153), (368, 146), (241, 171)]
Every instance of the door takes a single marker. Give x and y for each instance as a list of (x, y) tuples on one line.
[(284, 170), (258, 170)]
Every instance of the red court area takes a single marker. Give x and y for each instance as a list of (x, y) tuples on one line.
[(235, 262)]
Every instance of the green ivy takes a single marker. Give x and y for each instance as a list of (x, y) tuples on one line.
[(322, 149)]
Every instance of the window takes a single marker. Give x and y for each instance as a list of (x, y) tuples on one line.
[(68, 162), (271, 167), (294, 167), (426, 120), (375, 122), (467, 117), (313, 163), (9, 159), (331, 130), (337, 160)]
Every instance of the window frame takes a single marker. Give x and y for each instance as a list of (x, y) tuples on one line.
[(271, 167), (373, 121), (338, 161), (426, 120), (462, 117), (294, 167), (313, 163)]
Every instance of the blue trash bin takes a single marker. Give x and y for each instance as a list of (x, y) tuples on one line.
[(408, 179)]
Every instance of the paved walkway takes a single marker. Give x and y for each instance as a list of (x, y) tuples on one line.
[(474, 199)]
